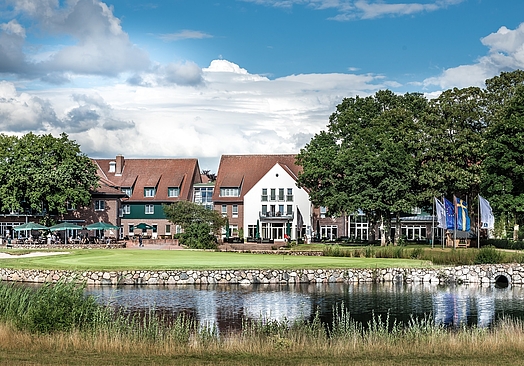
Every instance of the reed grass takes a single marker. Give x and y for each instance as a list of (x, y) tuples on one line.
[(107, 336)]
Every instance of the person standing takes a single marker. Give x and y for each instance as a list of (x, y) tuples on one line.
[(140, 243)]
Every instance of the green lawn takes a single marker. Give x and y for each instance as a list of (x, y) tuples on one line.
[(129, 259)]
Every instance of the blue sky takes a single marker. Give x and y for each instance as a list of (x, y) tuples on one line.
[(205, 78)]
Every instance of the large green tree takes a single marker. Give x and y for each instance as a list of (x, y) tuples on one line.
[(503, 168), (451, 144), (366, 160), (44, 174), (198, 223)]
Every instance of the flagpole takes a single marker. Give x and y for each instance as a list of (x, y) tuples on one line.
[(433, 224), (478, 222), (444, 229), (455, 223)]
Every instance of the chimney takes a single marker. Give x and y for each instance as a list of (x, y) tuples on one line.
[(119, 164)]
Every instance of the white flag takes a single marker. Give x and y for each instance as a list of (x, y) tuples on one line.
[(487, 220), (441, 214)]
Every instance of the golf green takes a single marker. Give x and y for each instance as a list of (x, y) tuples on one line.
[(129, 259)]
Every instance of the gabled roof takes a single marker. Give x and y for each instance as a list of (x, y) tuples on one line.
[(153, 173), (244, 171)]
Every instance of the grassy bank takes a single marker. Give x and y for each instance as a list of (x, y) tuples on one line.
[(128, 259), (102, 337)]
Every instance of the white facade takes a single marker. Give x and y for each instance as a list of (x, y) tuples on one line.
[(274, 201)]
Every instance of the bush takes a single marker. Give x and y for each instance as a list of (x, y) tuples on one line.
[(198, 236), (50, 308), (488, 255)]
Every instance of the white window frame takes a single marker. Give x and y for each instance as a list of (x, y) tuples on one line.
[(149, 192), (100, 205), (230, 192), (126, 209), (173, 191), (149, 209), (224, 210), (127, 190), (234, 212)]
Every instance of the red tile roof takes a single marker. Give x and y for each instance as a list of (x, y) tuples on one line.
[(153, 173), (245, 171)]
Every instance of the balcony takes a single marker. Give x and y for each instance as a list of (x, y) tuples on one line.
[(275, 215)]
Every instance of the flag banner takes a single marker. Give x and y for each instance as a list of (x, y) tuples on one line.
[(441, 214), (463, 223), (300, 220), (450, 214), (487, 220)]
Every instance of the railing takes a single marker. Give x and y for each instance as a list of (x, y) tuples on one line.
[(275, 215)]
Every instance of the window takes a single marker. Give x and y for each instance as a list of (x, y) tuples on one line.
[(70, 206), (273, 194), (155, 228), (168, 229), (323, 211), (173, 191), (127, 190), (126, 209), (264, 195), (264, 210), (281, 194), (235, 211), (224, 210), (131, 229), (280, 210), (229, 192), (150, 209), (112, 166), (149, 192), (289, 196), (100, 205), (289, 210)]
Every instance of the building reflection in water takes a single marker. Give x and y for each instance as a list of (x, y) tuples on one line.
[(225, 307)]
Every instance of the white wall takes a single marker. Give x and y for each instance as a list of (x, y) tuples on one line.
[(276, 177)]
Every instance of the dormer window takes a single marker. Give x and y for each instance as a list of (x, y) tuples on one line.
[(149, 192), (173, 191), (112, 166), (127, 190), (230, 192)]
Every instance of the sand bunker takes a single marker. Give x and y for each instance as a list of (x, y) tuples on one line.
[(4, 255)]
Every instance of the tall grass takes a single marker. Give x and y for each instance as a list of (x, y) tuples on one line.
[(155, 339), (453, 257)]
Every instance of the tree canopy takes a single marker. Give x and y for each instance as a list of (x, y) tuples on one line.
[(44, 174), (197, 222), (386, 154)]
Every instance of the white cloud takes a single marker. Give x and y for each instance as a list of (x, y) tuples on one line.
[(101, 46), (184, 34), (363, 9), (506, 53)]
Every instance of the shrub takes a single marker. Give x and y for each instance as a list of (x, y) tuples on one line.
[(488, 255)]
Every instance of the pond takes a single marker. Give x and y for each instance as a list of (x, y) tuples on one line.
[(226, 306)]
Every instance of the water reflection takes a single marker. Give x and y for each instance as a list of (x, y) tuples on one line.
[(226, 306)]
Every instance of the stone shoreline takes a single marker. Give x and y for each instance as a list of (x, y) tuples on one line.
[(478, 274)]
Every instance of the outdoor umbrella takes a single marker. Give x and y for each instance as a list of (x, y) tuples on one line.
[(30, 226), (257, 230), (101, 226), (143, 226), (65, 226), (227, 229)]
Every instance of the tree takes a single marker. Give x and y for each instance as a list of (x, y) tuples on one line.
[(198, 223), (451, 151), (503, 168), (44, 174), (366, 159)]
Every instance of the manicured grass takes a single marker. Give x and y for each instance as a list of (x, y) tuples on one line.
[(129, 259)]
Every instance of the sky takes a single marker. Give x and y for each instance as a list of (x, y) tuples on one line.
[(199, 78)]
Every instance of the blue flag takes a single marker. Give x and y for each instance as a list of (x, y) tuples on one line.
[(450, 214), (463, 223)]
